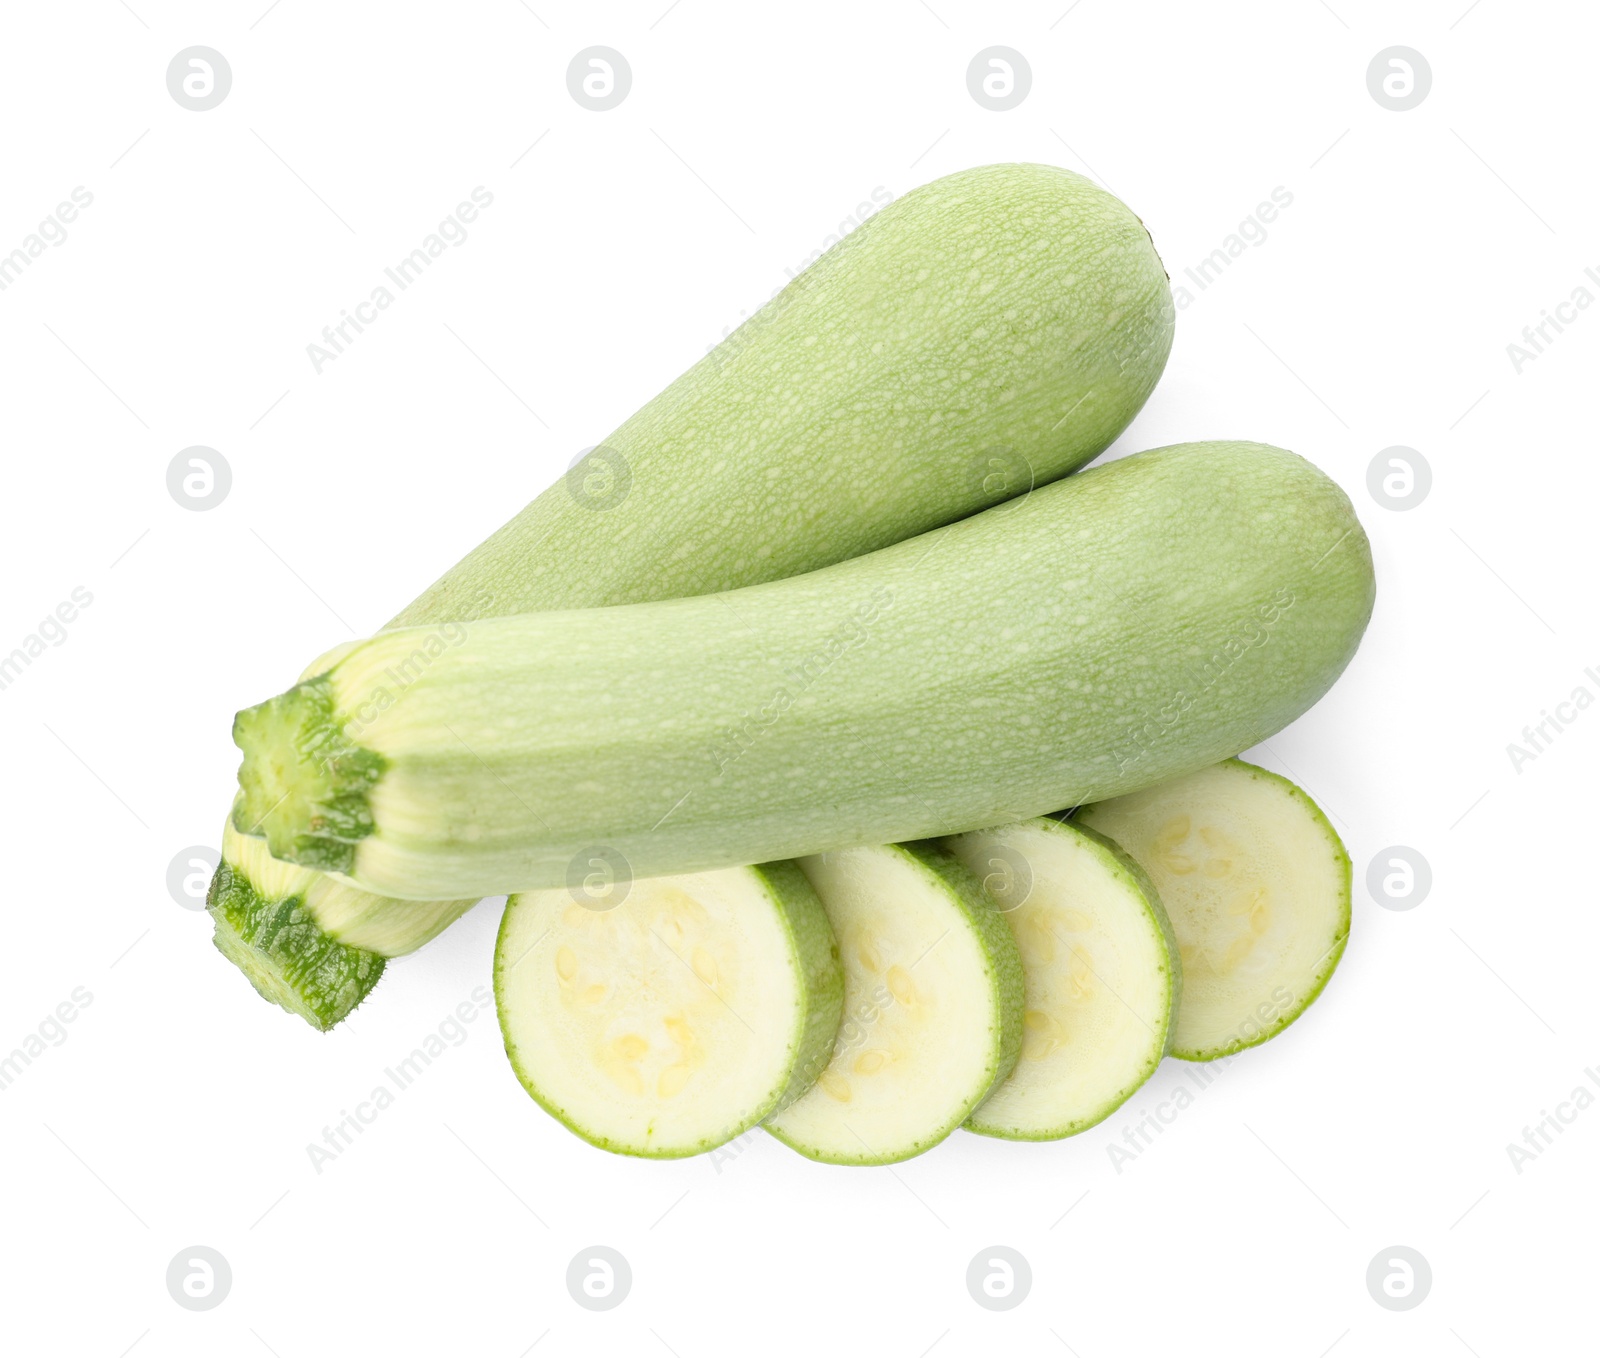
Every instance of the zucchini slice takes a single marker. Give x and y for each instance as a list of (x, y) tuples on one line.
[(1100, 968), (1257, 886), (932, 1008), (679, 1017)]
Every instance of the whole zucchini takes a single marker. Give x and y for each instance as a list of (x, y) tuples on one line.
[(983, 334), (1107, 632)]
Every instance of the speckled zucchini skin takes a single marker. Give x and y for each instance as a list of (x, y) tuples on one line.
[(1113, 630)]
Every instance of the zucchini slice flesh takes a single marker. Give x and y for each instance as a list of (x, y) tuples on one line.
[(678, 1018), (932, 1012), (1257, 885), (1099, 966)]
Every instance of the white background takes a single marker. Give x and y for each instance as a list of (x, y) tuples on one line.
[(1377, 312)]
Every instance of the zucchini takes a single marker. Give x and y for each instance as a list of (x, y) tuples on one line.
[(1105, 633), (988, 332), (1258, 888), (1100, 968), (932, 1010), (678, 1016)]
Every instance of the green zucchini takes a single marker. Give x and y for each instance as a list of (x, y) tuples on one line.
[(1100, 968), (933, 1006), (678, 1015), (1105, 633), (984, 334), (1257, 885)]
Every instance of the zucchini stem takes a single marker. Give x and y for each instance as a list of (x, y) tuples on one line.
[(303, 782)]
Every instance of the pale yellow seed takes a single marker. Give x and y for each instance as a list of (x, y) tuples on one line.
[(834, 1085), (1188, 954), (1081, 984), (679, 1031), (594, 994), (1175, 831), (900, 986), (1238, 950), (1261, 916), (631, 1047), (672, 1080), (867, 952), (685, 907), (1217, 867), (869, 1063), (1041, 1035), (1177, 863), (1038, 942), (705, 966), (566, 963)]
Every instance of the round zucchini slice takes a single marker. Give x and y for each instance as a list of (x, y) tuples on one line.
[(677, 1018), (1099, 967), (1257, 886), (933, 1006)]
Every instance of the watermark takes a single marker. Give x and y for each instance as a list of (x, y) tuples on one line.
[(1399, 878), (599, 1278), (1137, 744), (999, 78), (740, 737), (450, 233), (199, 478), (599, 478), (736, 338), (599, 878), (1006, 476), (199, 1278), (999, 1278), (855, 1026), (1399, 1278), (199, 78), (359, 716), (1399, 478), (50, 1031), (1399, 78), (730, 1151), (1537, 338), (1541, 1136), (1009, 880), (599, 78), (189, 875), (451, 1031), (1138, 1137), (1540, 736), (50, 632), (50, 232), (1251, 233), (880, 199)]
